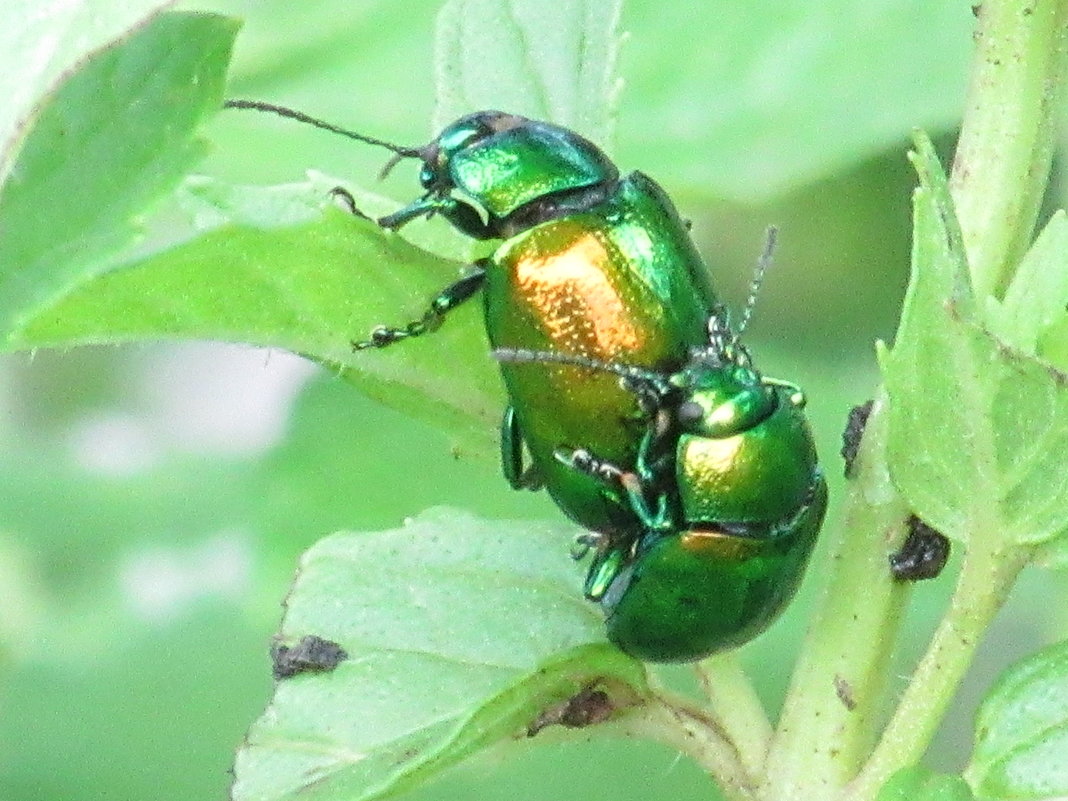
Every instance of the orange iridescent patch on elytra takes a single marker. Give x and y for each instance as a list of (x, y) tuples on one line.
[(575, 294), (710, 543)]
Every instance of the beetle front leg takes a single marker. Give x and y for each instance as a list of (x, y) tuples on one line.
[(448, 299), (343, 198), (612, 476), (461, 216)]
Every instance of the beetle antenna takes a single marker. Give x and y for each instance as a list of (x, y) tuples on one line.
[(627, 371), (762, 265), (399, 151), (648, 385)]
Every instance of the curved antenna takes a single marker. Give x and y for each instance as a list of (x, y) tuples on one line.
[(292, 114), (626, 371), (394, 160), (763, 263)]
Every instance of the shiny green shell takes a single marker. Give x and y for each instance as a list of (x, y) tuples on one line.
[(754, 477), (522, 161), (700, 591), (750, 505), (621, 282)]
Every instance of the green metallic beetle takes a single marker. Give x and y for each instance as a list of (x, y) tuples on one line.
[(729, 494), (592, 263)]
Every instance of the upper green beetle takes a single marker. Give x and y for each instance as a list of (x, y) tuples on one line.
[(591, 263)]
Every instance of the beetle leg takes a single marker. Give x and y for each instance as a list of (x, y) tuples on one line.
[(606, 566), (588, 541), (518, 475), (423, 207), (583, 461), (658, 519), (447, 300), (463, 217), (654, 520), (345, 200)]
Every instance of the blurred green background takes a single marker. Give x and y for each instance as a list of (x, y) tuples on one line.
[(154, 499)]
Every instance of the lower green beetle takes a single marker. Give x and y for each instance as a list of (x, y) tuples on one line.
[(729, 494)]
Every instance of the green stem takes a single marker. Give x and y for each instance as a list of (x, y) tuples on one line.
[(1006, 144), (677, 722), (732, 700), (832, 707), (985, 580), (998, 180)]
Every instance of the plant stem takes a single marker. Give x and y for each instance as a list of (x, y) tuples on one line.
[(998, 180), (833, 704), (732, 700), (677, 722), (1006, 144), (985, 580)]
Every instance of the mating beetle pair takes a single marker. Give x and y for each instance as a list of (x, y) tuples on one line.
[(639, 409)]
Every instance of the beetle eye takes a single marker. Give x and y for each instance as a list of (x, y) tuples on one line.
[(689, 412), (427, 176)]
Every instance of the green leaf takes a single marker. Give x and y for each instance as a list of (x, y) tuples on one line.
[(721, 100), (36, 49), (115, 136), (275, 270), (458, 632), (1022, 731), (1034, 304), (547, 61), (920, 784), (978, 437)]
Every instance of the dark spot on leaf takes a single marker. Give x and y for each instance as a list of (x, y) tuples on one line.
[(586, 708), (312, 654), (406, 756)]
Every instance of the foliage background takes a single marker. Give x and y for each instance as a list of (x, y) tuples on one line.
[(154, 499)]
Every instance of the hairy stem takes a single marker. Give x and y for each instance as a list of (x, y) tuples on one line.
[(984, 583), (677, 722), (1006, 144), (832, 706), (733, 701)]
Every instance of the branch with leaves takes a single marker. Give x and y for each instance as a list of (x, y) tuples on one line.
[(453, 634)]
